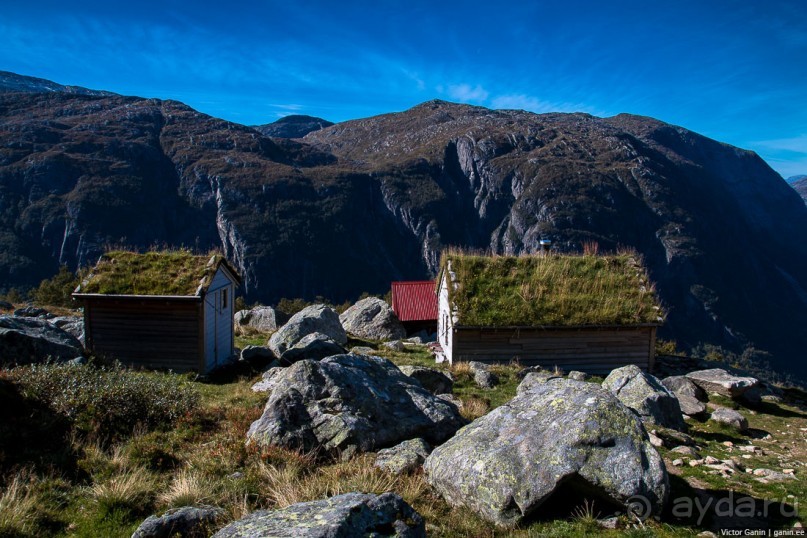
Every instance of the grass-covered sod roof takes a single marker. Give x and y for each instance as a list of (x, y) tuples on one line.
[(177, 272), (553, 290)]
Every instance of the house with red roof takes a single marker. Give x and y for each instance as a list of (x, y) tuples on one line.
[(415, 304)]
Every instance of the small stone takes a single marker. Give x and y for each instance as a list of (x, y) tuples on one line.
[(695, 463), (608, 523), (730, 417), (577, 375), (655, 440), (362, 350), (789, 471), (678, 462), (711, 460), (686, 451), (395, 345), (749, 448), (486, 379), (707, 534), (746, 456), (728, 444)]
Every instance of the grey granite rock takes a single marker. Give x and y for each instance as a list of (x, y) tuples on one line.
[(350, 402), (311, 319), (645, 394), (372, 318), (403, 458), (504, 465), (344, 516), (721, 382), (433, 380)]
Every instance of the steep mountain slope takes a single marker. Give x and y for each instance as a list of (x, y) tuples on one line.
[(355, 205), (294, 126), (801, 187)]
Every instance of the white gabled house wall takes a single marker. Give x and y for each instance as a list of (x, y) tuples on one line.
[(218, 319), (446, 316)]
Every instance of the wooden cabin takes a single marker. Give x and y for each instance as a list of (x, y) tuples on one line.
[(588, 313), (415, 304), (169, 310)]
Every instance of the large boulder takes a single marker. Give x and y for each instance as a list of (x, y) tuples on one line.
[(350, 402), (646, 395), (188, 521), (261, 318), (690, 396), (28, 340), (433, 380), (721, 382), (314, 346), (347, 515), (316, 318), (374, 319), (507, 463), (70, 324)]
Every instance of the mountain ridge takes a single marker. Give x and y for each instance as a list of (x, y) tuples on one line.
[(350, 207)]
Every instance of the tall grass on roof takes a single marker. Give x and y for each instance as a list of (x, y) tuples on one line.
[(552, 290), (173, 272)]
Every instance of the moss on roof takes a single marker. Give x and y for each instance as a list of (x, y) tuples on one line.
[(554, 290), (176, 272)]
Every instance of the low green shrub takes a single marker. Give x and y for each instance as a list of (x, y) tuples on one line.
[(107, 402)]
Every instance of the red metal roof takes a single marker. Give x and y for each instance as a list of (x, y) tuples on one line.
[(414, 300)]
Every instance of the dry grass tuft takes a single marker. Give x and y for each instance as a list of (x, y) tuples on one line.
[(473, 408), (18, 507), (187, 488), (131, 488), (461, 368)]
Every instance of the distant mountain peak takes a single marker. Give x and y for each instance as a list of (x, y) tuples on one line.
[(12, 83), (795, 179), (293, 126)]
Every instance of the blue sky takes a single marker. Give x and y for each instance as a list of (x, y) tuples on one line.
[(735, 71)]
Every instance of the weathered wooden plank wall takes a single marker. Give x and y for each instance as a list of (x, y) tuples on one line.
[(148, 333), (592, 350)]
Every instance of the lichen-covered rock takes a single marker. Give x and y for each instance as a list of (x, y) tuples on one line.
[(645, 394), (681, 384), (403, 458), (28, 340), (395, 345), (316, 318), (351, 402), (505, 464), (729, 417), (188, 522), (347, 515), (257, 354), (577, 375), (268, 380), (721, 382), (260, 318), (314, 346), (486, 379), (690, 396), (362, 350), (70, 324), (435, 381), (374, 319), (534, 378)]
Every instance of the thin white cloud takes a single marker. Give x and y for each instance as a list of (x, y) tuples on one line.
[(466, 93), (797, 144)]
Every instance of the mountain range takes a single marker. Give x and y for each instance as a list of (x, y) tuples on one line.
[(349, 207)]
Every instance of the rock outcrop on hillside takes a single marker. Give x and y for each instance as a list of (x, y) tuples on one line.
[(29, 340), (78, 172)]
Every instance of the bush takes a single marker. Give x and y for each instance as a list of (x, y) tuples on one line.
[(107, 403), (57, 291)]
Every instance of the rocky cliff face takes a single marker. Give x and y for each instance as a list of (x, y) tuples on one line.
[(801, 187), (353, 206)]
